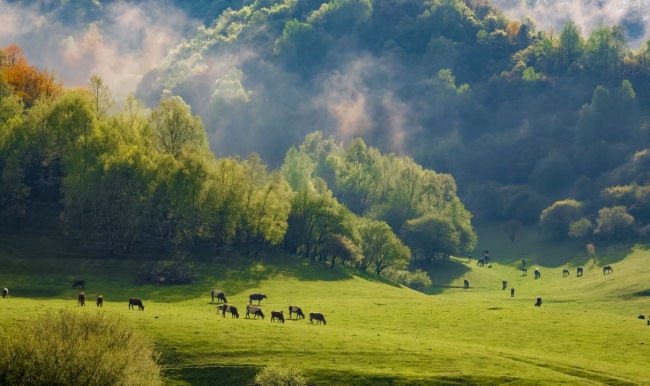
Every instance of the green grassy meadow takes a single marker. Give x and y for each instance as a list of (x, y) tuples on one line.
[(377, 333)]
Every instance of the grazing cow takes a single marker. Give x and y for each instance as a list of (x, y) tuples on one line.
[(279, 315), (480, 262), (524, 272), (79, 284), (539, 302), (5, 292), (257, 297), (136, 302), (486, 256), (318, 317), (565, 272), (466, 283), (255, 310), (100, 301), (296, 310), (81, 300), (221, 297), (641, 317), (512, 292), (537, 273), (607, 269), (226, 308), (504, 284), (579, 271)]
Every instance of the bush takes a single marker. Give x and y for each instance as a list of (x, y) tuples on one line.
[(67, 348), (280, 375)]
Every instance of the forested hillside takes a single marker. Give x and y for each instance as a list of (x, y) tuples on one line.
[(521, 117), (536, 127)]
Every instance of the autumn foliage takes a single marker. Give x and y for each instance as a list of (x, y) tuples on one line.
[(27, 82)]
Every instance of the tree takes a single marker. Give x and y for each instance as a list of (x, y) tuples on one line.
[(56, 348), (571, 46), (175, 129), (613, 222), (27, 81), (554, 220), (580, 228), (431, 236), (101, 97), (342, 248), (381, 247), (511, 227)]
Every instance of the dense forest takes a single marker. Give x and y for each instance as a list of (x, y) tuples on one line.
[(356, 118), (524, 119)]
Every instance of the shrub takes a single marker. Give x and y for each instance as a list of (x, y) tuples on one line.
[(67, 348), (280, 375)]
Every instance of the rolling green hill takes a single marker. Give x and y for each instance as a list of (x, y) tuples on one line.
[(585, 332)]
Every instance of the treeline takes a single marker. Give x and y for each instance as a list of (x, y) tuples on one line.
[(522, 118), (134, 178)]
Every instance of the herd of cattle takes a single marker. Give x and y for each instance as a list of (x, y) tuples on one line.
[(256, 311), (524, 272)]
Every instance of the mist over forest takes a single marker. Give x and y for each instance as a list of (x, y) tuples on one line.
[(522, 108)]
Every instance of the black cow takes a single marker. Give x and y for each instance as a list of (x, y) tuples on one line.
[(512, 292), (81, 299), (466, 283), (100, 301), (5, 292), (226, 308), (257, 297), (504, 284), (480, 262), (537, 273), (539, 302), (220, 295), (279, 315), (79, 284), (296, 310), (607, 269), (579, 271), (524, 272), (318, 317), (136, 302), (255, 310), (565, 272)]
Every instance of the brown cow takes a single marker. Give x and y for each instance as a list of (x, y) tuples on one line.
[(279, 315), (318, 317), (296, 310), (100, 301), (79, 284), (226, 308), (220, 295), (81, 300), (135, 302), (255, 310)]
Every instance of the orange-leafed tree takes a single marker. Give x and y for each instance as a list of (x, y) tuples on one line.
[(27, 82)]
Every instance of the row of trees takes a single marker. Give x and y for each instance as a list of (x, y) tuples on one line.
[(146, 178)]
